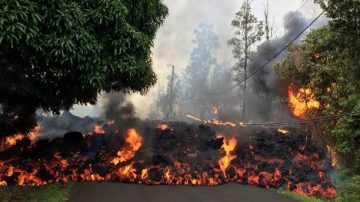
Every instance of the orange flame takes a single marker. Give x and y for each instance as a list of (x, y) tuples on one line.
[(333, 156), (133, 143), (12, 140), (282, 131), (220, 123), (193, 118), (228, 146), (99, 129), (301, 102), (213, 122), (33, 135), (163, 126), (3, 183)]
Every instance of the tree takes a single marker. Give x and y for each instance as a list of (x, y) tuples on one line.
[(54, 54), (198, 72), (248, 31), (268, 26), (327, 61)]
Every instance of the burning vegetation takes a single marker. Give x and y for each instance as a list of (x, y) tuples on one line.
[(302, 102), (184, 155)]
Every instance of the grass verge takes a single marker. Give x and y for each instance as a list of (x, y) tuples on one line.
[(49, 193), (299, 197)]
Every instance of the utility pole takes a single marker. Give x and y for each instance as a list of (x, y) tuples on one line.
[(170, 95)]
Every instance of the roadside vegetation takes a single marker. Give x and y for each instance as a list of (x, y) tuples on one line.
[(327, 62), (49, 193)]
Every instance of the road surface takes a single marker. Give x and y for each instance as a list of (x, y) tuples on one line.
[(117, 192)]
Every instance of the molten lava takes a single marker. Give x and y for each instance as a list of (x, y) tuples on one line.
[(301, 102), (184, 155)]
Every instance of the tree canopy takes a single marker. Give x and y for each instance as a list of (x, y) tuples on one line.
[(57, 53), (327, 61)]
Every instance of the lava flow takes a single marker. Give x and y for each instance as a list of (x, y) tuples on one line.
[(182, 155)]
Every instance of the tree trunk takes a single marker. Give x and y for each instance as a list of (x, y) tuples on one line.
[(245, 63)]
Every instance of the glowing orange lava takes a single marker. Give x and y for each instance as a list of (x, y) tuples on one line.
[(301, 102)]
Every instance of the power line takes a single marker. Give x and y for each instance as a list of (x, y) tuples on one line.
[(321, 118), (274, 57)]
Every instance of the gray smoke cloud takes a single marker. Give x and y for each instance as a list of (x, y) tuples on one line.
[(265, 84)]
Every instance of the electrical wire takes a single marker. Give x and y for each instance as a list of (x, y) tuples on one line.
[(315, 119), (272, 58)]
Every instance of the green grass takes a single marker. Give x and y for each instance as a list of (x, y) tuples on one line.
[(48, 193), (299, 197)]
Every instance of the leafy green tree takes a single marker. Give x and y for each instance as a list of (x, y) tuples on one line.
[(327, 61), (57, 53), (248, 31)]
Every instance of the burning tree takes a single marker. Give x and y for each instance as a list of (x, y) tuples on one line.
[(327, 63), (55, 54)]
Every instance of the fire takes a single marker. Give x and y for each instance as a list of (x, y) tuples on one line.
[(213, 122), (3, 183), (12, 140), (302, 101), (220, 123), (194, 118), (282, 131), (144, 174), (163, 126), (133, 143), (33, 135), (228, 146), (333, 156), (99, 129)]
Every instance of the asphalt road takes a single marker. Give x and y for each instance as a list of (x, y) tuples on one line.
[(117, 192)]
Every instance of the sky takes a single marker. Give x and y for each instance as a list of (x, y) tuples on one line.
[(173, 42)]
